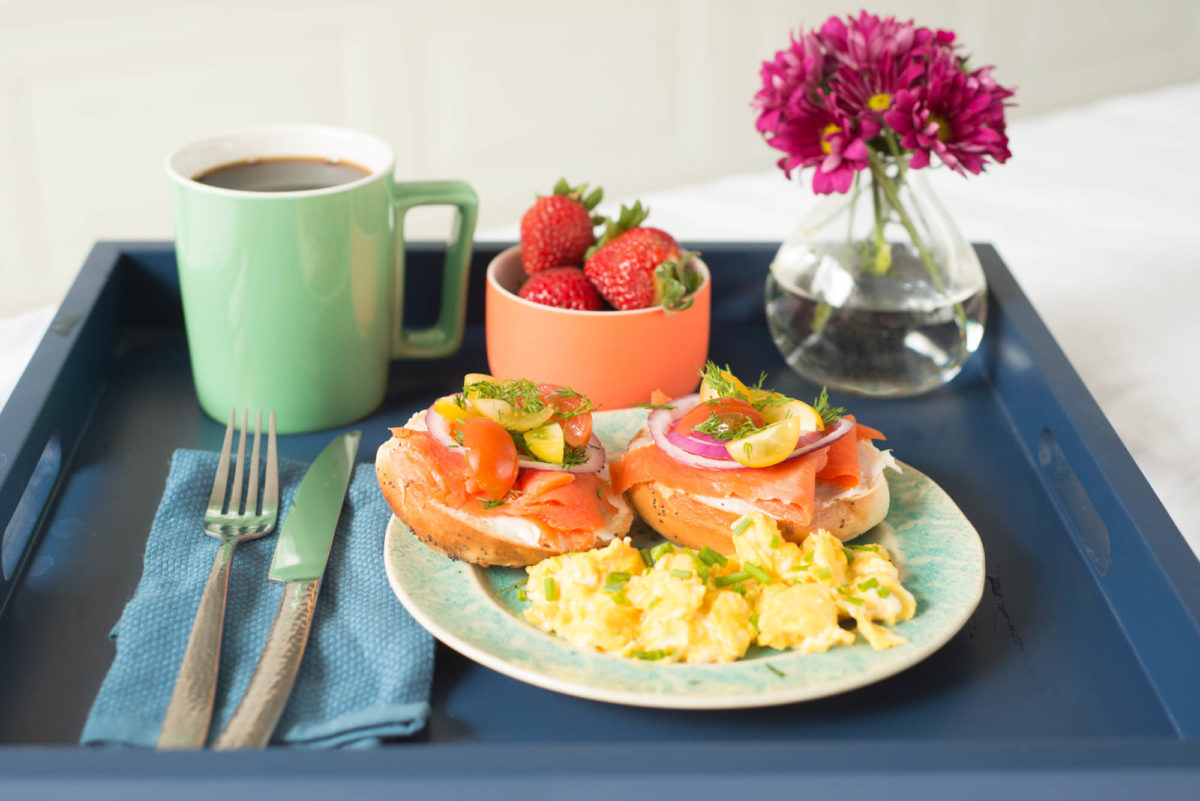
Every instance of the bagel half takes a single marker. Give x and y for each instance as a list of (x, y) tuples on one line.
[(696, 522), (480, 539)]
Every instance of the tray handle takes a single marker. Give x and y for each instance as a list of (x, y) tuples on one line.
[(1073, 503), (37, 479)]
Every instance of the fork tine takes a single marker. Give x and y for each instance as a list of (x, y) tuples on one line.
[(216, 501), (235, 494), (271, 486), (252, 477)]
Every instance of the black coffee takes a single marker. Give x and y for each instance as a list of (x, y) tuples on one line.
[(283, 174)]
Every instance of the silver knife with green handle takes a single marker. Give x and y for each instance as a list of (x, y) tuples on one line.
[(299, 562)]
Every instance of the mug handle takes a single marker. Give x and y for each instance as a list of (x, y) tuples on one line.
[(444, 336)]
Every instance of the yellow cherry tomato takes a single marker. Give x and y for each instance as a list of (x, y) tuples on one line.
[(546, 442), (769, 445)]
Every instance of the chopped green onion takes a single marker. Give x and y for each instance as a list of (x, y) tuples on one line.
[(521, 596), (775, 670), (754, 620), (731, 578), (883, 592), (739, 589), (855, 601), (742, 524), (774, 540), (618, 576), (549, 589), (702, 571), (849, 554), (800, 567), (824, 573), (760, 575), (870, 547), (683, 574), (620, 598), (868, 584), (658, 653), (647, 559), (711, 557), (657, 551)]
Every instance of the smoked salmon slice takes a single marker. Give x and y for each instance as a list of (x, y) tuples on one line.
[(568, 505), (842, 467), (786, 490)]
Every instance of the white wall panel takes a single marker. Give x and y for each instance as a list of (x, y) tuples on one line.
[(634, 95)]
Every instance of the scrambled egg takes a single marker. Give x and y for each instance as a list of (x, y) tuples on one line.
[(677, 605)]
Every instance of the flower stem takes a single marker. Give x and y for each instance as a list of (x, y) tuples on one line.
[(893, 196), (894, 146), (881, 263)]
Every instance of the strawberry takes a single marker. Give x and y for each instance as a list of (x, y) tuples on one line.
[(564, 287), (636, 267), (557, 229)]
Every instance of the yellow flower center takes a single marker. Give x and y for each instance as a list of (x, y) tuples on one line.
[(831, 128), (943, 130), (879, 102)]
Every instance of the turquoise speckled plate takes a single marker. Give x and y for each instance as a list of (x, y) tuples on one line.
[(475, 611)]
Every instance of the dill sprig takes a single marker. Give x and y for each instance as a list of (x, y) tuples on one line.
[(653, 406), (566, 393), (718, 427), (494, 502), (574, 455), (829, 414), (756, 395), (713, 376), (521, 393), (514, 585)]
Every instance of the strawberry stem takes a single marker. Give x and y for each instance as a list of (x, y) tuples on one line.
[(630, 217), (674, 283)]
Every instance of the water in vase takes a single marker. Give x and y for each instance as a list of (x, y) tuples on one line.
[(886, 335)]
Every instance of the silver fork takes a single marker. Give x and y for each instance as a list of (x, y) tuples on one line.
[(190, 709)]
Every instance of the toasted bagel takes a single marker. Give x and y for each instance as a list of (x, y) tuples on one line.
[(481, 539), (695, 522)]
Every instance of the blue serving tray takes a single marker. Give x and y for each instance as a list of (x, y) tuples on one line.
[(1078, 675)]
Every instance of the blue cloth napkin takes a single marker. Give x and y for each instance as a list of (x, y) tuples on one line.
[(368, 665)]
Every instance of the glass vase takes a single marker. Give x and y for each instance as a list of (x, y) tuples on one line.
[(877, 292)]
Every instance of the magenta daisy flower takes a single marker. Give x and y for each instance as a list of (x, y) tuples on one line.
[(788, 79), (877, 57), (818, 135), (956, 115)]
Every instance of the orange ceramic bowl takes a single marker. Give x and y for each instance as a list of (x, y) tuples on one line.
[(616, 358)]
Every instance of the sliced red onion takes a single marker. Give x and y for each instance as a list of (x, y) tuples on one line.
[(660, 424), (841, 428), (439, 429), (698, 444)]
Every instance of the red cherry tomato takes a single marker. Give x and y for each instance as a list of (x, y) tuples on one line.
[(577, 428), (732, 412), (491, 456)]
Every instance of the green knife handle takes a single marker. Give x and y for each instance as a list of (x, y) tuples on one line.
[(259, 710), (190, 709)]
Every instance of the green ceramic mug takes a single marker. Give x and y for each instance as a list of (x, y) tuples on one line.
[(293, 300)]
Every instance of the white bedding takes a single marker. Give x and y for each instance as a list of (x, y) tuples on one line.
[(1096, 214)]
